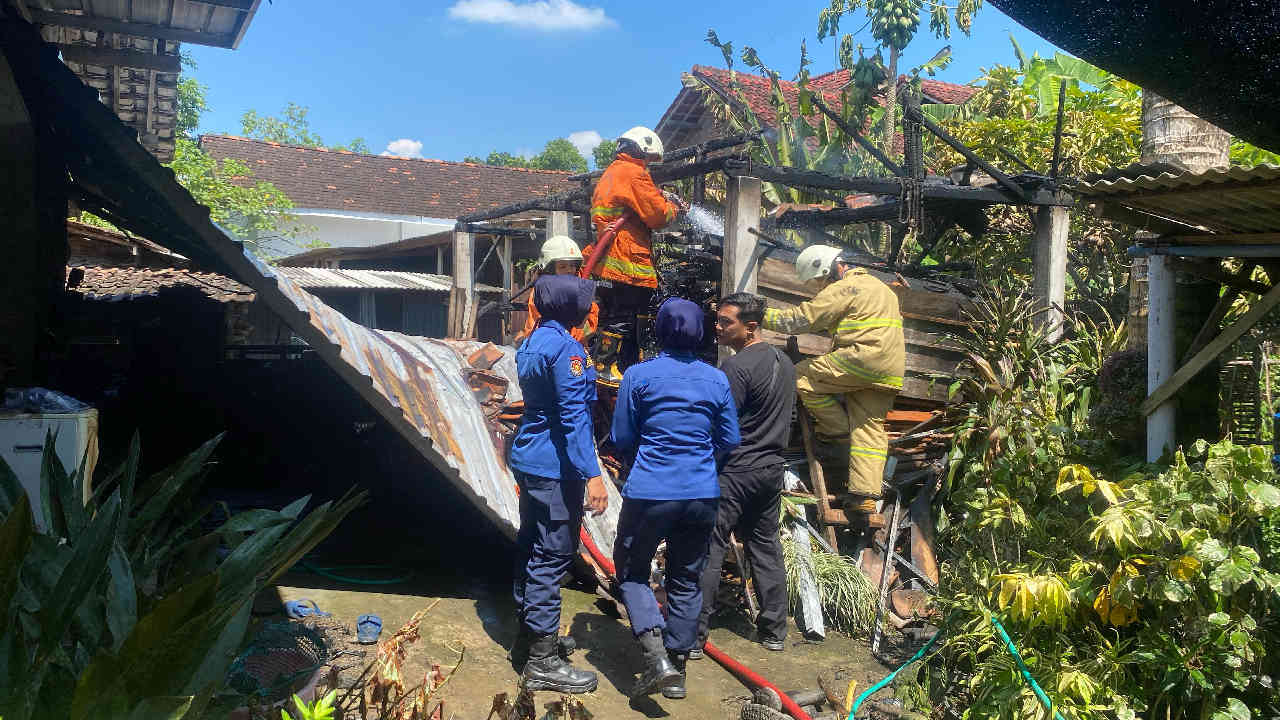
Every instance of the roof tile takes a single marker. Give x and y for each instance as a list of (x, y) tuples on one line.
[(309, 177)]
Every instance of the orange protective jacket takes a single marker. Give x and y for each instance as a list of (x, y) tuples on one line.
[(627, 185), (586, 328)]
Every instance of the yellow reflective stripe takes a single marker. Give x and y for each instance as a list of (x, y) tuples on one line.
[(629, 268), (607, 211), (890, 380), (780, 321), (870, 323), (820, 401), (867, 452)]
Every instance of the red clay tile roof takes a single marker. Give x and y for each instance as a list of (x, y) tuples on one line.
[(339, 180), (112, 284), (758, 91)]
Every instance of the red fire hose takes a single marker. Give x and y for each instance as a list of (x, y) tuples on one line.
[(744, 674), (603, 243)]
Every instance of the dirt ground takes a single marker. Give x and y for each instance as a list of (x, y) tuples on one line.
[(479, 617)]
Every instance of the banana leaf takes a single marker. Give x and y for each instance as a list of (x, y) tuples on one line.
[(122, 596), (15, 538), (11, 489), (84, 569), (151, 660), (168, 485)]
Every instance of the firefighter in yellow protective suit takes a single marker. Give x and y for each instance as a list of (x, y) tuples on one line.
[(850, 390)]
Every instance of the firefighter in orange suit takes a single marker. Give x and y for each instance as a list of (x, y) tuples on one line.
[(626, 187), (560, 256)]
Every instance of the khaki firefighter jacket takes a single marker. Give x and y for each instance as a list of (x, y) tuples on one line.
[(862, 315)]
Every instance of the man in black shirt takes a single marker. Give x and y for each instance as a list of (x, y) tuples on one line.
[(763, 383)]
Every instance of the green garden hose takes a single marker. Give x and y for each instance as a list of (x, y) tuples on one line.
[(330, 572), (1008, 644), (1026, 674), (889, 678)]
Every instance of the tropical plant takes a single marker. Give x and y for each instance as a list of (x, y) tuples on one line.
[(119, 606), (1011, 120), (321, 709), (291, 128), (1129, 588), (256, 212)]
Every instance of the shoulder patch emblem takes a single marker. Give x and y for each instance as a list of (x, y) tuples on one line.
[(575, 365)]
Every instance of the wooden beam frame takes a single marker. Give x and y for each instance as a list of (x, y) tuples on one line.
[(1212, 350), (49, 17), (108, 57)]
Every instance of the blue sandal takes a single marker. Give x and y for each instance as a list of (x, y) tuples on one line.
[(368, 628), (306, 607)]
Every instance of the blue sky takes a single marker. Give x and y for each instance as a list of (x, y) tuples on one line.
[(451, 78)]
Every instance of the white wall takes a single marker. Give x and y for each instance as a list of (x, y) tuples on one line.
[(362, 230)]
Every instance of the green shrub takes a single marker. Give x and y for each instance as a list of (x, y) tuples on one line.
[(121, 607), (1128, 588)]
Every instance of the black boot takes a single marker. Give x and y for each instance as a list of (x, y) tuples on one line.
[(519, 653), (676, 691), (548, 670), (658, 671)]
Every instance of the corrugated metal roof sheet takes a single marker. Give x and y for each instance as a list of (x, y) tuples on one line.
[(308, 277), (420, 385), (1136, 180), (1227, 201)]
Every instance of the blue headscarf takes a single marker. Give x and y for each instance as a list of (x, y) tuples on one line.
[(564, 298), (679, 324)]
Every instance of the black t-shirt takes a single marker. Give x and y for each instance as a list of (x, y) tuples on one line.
[(763, 383)]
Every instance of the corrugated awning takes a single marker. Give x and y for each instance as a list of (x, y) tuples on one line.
[(307, 277), (1229, 202)]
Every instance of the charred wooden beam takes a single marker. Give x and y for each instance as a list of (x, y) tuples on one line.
[(840, 216), (1007, 182), (691, 151), (864, 143), (562, 201)]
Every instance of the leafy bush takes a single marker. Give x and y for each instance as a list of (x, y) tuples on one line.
[(120, 607), (1128, 588)]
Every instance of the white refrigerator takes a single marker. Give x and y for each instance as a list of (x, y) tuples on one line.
[(22, 438)]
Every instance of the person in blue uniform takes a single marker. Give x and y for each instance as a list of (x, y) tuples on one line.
[(676, 415), (554, 459)]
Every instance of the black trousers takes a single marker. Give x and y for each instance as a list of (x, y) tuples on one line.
[(749, 505), (630, 308)]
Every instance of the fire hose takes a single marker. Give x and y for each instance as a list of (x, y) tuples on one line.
[(744, 674), (603, 243)]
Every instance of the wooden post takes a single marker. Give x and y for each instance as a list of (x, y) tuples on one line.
[(462, 300), (504, 257), (1160, 352), (742, 211), (439, 259), (1050, 255), (557, 223), (33, 213)]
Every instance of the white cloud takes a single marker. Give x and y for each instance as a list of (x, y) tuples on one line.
[(404, 147), (585, 141), (534, 14)]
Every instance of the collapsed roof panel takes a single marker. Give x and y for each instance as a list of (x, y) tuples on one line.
[(418, 385)]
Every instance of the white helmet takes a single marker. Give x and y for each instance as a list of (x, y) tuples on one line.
[(646, 139), (815, 262), (559, 247)]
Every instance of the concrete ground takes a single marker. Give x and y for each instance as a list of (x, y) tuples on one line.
[(479, 617)]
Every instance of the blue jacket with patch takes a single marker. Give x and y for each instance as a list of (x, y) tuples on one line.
[(555, 439), (676, 414)]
